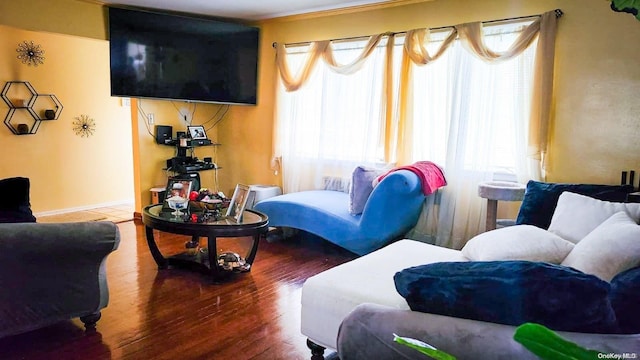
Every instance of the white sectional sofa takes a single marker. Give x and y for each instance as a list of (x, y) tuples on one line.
[(363, 291)]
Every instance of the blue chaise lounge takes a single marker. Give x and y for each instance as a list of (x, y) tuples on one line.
[(391, 210)]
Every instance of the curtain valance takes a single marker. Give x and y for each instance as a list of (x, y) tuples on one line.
[(470, 34)]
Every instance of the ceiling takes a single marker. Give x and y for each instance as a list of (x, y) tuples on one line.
[(247, 9)]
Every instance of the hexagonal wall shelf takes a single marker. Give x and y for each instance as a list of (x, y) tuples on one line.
[(18, 94), (46, 107), (25, 102), (21, 122)]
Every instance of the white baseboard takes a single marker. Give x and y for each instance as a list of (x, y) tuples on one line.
[(82, 208)]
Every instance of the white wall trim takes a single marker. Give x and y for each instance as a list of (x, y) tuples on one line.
[(82, 208)]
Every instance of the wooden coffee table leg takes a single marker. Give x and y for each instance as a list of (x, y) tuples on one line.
[(254, 249), (213, 257), (155, 252)]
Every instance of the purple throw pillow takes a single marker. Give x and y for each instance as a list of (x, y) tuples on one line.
[(361, 187)]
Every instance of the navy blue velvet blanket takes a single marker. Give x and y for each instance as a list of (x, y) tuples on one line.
[(512, 293), (625, 300)]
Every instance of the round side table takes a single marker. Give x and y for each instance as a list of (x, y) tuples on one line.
[(495, 191)]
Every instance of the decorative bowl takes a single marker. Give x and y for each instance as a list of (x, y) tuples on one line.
[(211, 204), (177, 203)]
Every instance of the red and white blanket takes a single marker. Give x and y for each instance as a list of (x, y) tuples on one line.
[(430, 174)]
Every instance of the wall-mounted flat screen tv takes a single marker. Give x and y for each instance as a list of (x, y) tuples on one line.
[(169, 56)]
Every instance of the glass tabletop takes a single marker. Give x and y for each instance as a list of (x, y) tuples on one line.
[(157, 211)]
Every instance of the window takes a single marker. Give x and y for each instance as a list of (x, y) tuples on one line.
[(334, 122), (472, 113), (337, 117)]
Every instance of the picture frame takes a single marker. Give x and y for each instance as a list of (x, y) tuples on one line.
[(197, 132), (238, 202), (179, 187)]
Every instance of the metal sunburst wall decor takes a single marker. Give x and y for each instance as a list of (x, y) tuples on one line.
[(30, 53), (84, 126)]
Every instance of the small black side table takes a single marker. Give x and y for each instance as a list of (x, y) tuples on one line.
[(253, 224)]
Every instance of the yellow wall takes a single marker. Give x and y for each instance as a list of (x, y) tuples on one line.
[(593, 133), (68, 171)]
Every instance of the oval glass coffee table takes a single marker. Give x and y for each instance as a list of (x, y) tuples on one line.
[(253, 224)]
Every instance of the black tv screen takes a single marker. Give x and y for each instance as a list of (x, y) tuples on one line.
[(168, 56)]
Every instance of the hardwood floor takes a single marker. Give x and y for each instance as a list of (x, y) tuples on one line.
[(115, 213), (178, 314)]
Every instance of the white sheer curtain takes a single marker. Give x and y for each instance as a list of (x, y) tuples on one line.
[(471, 117), (333, 122)]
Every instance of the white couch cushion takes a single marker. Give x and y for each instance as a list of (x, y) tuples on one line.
[(609, 249), (328, 297), (519, 242), (577, 215)]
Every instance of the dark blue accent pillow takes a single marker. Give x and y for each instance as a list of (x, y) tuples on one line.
[(625, 300), (511, 293), (14, 204), (540, 199)]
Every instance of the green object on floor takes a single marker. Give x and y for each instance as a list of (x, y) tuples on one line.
[(628, 6), (550, 346), (423, 348)]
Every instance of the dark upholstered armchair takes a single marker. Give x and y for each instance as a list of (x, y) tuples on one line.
[(49, 272)]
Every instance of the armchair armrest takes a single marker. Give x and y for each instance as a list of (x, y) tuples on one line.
[(64, 241)]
